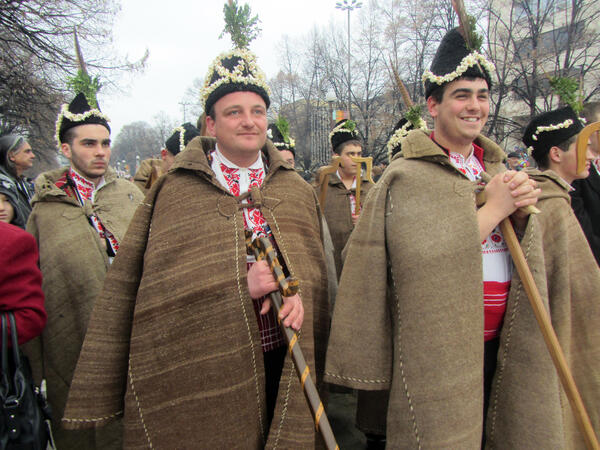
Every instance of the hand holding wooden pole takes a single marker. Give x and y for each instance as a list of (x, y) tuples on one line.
[(263, 249)]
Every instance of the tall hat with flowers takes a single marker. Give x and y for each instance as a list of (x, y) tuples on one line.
[(279, 133), (181, 136), (459, 55), (235, 70), (554, 127), (343, 131), (84, 108), (412, 120)]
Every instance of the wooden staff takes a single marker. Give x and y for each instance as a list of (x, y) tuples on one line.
[(369, 162), (324, 174), (582, 144), (263, 249), (545, 324)]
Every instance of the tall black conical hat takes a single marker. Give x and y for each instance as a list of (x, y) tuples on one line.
[(343, 131), (453, 60), (232, 72), (175, 143), (76, 113), (551, 128), (275, 135)]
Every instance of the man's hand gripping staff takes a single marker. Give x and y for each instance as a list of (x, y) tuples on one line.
[(288, 286)]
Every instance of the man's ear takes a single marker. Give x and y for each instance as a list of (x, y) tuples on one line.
[(66, 150), (163, 154), (555, 154), (432, 106), (210, 126)]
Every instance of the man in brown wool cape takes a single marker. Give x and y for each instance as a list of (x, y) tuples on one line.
[(182, 342), (446, 324), (80, 215)]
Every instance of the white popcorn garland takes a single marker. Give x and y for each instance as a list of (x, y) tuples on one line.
[(287, 145), (341, 129), (255, 77), (542, 129), (64, 112), (401, 133), (468, 61), (181, 137)]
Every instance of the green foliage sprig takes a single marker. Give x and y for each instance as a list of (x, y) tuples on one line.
[(568, 91), (284, 128), (241, 26), (349, 125), (88, 86), (414, 115), (475, 39)]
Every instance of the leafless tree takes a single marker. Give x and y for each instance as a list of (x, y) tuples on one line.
[(136, 141), (531, 40)]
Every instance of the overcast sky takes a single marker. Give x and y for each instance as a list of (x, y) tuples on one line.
[(182, 37)]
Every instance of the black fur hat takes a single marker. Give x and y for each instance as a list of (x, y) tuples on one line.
[(549, 129), (176, 142), (76, 113), (234, 71), (453, 60), (279, 134), (343, 131)]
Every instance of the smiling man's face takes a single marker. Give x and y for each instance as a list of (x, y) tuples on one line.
[(462, 113)]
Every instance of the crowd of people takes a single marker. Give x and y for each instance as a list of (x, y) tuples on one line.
[(151, 322)]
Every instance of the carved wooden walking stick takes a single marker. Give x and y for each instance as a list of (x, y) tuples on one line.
[(263, 249), (369, 162), (545, 324), (324, 174), (582, 143)]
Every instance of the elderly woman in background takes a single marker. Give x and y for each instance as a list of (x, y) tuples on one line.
[(16, 157)]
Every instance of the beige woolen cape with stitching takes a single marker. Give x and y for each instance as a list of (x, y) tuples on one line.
[(415, 326), (73, 262), (574, 293), (338, 214), (173, 341)]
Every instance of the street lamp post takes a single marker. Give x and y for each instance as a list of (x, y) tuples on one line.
[(348, 5)]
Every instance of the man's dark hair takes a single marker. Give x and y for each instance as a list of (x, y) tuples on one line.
[(340, 148), (211, 112), (438, 93), (69, 136), (543, 160)]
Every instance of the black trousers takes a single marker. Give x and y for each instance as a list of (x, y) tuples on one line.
[(273, 360), (490, 358)]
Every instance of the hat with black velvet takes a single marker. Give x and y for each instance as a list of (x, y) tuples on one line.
[(78, 112), (343, 131), (549, 129), (279, 134), (453, 60), (180, 137), (234, 71)]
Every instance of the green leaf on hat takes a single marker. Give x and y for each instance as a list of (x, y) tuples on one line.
[(568, 91), (349, 125), (239, 24), (88, 86), (284, 128), (413, 115)]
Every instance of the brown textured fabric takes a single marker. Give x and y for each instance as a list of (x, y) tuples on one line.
[(147, 174), (422, 304), (574, 293), (73, 262), (173, 341), (338, 215)]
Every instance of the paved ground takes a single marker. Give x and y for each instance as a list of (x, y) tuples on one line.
[(341, 413)]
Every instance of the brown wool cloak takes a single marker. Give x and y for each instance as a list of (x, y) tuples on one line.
[(173, 341), (338, 215), (150, 170), (73, 262), (422, 315), (574, 295)]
